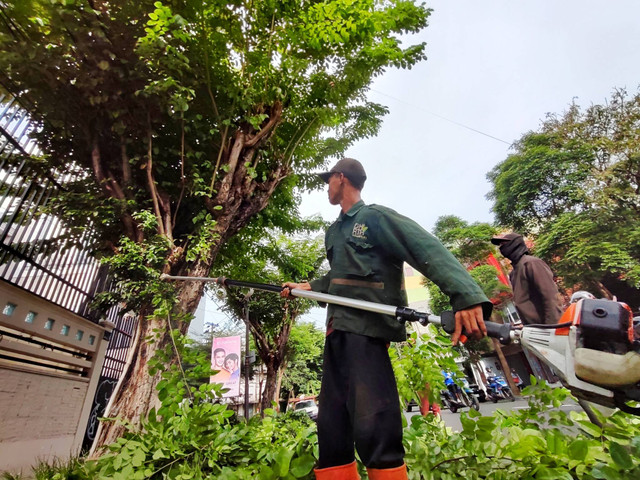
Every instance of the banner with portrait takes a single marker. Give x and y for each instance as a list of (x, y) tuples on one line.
[(225, 358)]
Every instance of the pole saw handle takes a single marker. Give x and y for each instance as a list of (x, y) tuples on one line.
[(501, 331)]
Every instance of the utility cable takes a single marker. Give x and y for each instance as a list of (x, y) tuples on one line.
[(441, 117)]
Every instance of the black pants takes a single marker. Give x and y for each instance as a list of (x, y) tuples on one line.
[(359, 404)]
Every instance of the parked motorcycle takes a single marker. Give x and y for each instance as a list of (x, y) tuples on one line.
[(478, 392), (459, 398), (498, 389)]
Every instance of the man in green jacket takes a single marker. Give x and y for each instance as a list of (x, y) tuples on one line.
[(366, 247)]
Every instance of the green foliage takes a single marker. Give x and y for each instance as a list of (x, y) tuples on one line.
[(541, 442), (544, 178), (419, 363), (191, 435), (468, 242), (470, 245), (303, 360), (135, 266), (203, 440), (574, 185)]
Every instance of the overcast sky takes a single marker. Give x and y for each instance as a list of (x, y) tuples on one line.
[(499, 67)]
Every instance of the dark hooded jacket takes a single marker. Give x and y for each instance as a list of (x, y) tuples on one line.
[(535, 294)]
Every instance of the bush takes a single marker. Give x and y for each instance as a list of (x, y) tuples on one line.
[(541, 442), (199, 439)]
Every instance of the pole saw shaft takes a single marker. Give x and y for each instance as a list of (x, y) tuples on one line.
[(446, 320), (296, 292)]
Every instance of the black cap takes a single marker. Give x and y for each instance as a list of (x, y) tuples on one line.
[(504, 237), (350, 168)]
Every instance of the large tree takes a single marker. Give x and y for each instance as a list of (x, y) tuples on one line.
[(178, 121), (574, 186)]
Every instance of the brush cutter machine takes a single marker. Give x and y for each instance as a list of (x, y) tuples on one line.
[(593, 349)]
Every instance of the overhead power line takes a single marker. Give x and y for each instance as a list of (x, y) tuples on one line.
[(441, 117)]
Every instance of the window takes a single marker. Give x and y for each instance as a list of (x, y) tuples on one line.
[(92, 339), (65, 330), (31, 317), (9, 309), (48, 325), (79, 335)]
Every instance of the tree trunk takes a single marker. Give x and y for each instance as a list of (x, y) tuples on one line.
[(136, 392), (279, 383), (269, 394)]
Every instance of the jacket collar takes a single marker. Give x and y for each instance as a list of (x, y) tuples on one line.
[(353, 210)]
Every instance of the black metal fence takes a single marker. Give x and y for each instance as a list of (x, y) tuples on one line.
[(31, 257), (30, 253)]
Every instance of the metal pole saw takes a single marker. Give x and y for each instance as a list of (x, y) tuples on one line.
[(593, 349)]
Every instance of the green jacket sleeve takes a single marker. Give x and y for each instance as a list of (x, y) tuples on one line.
[(411, 243)]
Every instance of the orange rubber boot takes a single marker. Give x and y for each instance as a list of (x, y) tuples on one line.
[(397, 473), (341, 472)]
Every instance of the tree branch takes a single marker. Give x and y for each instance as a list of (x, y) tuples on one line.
[(111, 187), (126, 168), (208, 74), (274, 119), (234, 155), (182, 177), (152, 184), (220, 152), (287, 161)]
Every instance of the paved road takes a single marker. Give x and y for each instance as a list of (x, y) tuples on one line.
[(487, 408)]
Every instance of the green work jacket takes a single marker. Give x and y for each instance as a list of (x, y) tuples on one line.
[(366, 248)]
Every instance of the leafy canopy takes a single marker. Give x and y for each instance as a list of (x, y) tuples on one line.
[(575, 185), (146, 101)]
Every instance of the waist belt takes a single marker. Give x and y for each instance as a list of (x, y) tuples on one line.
[(357, 283)]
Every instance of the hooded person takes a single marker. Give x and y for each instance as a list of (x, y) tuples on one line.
[(535, 294)]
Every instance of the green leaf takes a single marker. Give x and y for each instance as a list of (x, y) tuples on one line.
[(301, 466), (620, 455), (545, 473), (266, 473), (138, 458), (605, 472), (590, 428), (158, 454), (578, 449), (283, 461)]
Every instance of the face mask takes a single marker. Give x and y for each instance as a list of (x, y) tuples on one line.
[(513, 249)]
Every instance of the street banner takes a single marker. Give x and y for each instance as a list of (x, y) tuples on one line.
[(491, 260), (225, 357)]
